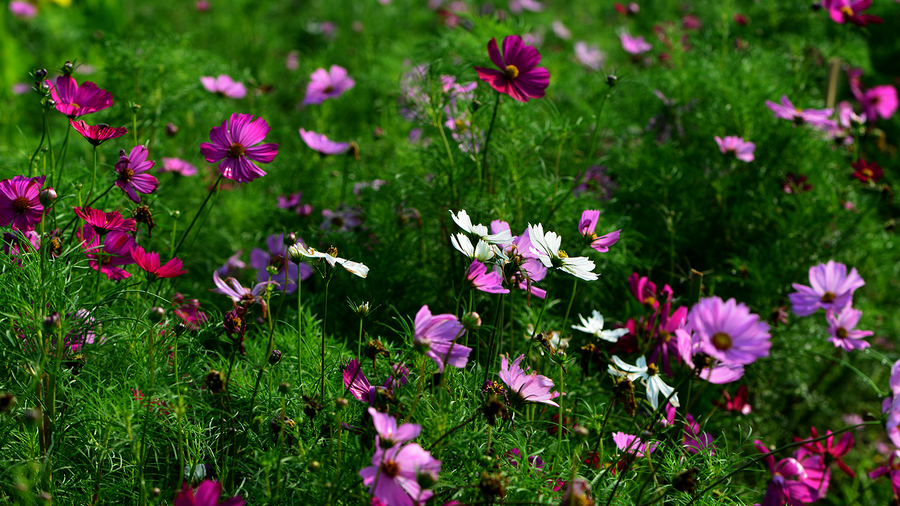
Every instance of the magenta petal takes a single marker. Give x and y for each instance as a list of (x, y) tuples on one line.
[(264, 153), (494, 53)]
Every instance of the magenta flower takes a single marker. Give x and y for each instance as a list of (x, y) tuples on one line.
[(666, 343), (789, 481), (488, 282), (436, 336), (150, 263), (131, 170), (842, 11), (188, 311), (277, 257), (292, 201), (531, 270), (832, 288), (97, 134), (22, 10), (816, 118), (238, 294), (644, 291), (893, 469), (322, 144), (357, 384), (389, 433), (178, 166), (878, 101), (739, 403), (842, 327), (831, 451), (736, 146), (74, 101), (82, 330), (207, 494), (690, 344), (634, 45), (587, 225), (18, 242), (20, 203), (103, 222), (114, 253), (519, 76), (234, 143), (728, 331), (695, 441), (325, 84), (528, 387), (396, 472), (224, 86), (633, 444)]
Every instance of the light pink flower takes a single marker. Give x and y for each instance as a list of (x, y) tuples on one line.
[(832, 288), (527, 387), (178, 166), (488, 282), (224, 85), (736, 146), (325, 84), (634, 45), (842, 327)]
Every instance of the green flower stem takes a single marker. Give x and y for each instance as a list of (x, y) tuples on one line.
[(324, 321), (212, 190), (485, 174), (299, 333), (93, 176)]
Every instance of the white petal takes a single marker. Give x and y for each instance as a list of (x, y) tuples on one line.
[(483, 251), (462, 244), (612, 335)]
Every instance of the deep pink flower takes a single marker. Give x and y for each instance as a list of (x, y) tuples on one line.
[(519, 76), (842, 11), (115, 251), (18, 242), (188, 311), (789, 481), (527, 387), (131, 178), (816, 118), (103, 222), (739, 403), (728, 331), (207, 494), (634, 45), (695, 441), (178, 166), (20, 203), (322, 144), (842, 327), (150, 263), (832, 288), (488, 282), (879, 101), (357, 383), (394, 475), (389, 433), (234, 143), (436, 336), (666, 345), (224, 85), (893, 469), (97, 134), (325, 84), (588, 224), (633, 444), (22, 10), (831, 451), (736, 146), (232, 288), (73, 100), (277, 257), (644, 291)]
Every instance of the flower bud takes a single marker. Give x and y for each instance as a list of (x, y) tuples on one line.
[(272, 270), (52, 103), (136, 107), (581, 431), (68, 68), (275, 357), (155, 491), (341, 403), (314, 466), (44, 499), (215, 382), (47, 196), (52, 321), (471, 321), (40, 74), (816, 6), (290, 239), (171, 129), (284, 387), (156, 314), (492, 485), (611, 80), (294, 254), (45, 89), (32, 416), (179, 329)]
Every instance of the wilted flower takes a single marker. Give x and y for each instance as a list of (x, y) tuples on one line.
[(224, 86), (235, 147)]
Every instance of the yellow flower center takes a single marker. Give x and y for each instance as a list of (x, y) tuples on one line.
[(846, 11), (126, 175), (652, 369), (665, 336), (721, 341), (562, 254), (511, 71), (868, 173), (828, 297), (237, 149)]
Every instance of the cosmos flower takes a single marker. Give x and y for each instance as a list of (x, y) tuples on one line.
[(527, 387), (878, 101), (892, 469), (589, 56), (389, 433), (178, 166), (587, 225), (131, 178), (325, 84), (644, 291), (224, 86), (633, 444), (322, 144), (517, 6), (82, 331), (728, 331), (18, 242), (594, 325), (488, 282), (277, 257), (115, 252), (842, 11), (357, 383), (736, 146), (188, 311), (831, 451), (842, 327), (20, 203), (97, 134), (232, 265), (595, 180), (396, 472), (462, 219), (234, 145), (634, 45), (519, 76), (22, 10), (300, 250), (435, 335), (150, 263), (866, 171), (526, 268), (832, 288), (649, 375), (481, 252), (794, 184), (103, 222), (73, 100), (689, 344), (232, 288), (343, 219), (207, 494), (666, 345), (739, 403), (546, 246), (792, 482), (695, 441), (814, 117)]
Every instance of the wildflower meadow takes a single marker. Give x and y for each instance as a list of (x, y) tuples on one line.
[(449, 252)]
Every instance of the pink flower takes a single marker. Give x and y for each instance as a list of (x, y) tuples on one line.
[(436, 336), (588, 224), (695, 441), (842, 11), (395, 474), (225, 86), (74, 101), (22, 10), (131, 178), (207, 494), (150, 263), (115, 252), (589, 56), (103, 222), (879, 101), (188, 311), (830, 451), (97, 134), (729, 332), (739, 403), (322, 144), (519, 76), (292, 61), (528, 387), (634, 45), (325, 84), (234, 144), (20, 203), (842, 327), (488, 282), (202, 5), (232, 288), (517, 6), (893, 469), (178, 166), (832, 288), (815, 118), (357, 384), (633, 444), (736, 146), (789, 481), (389, 433)]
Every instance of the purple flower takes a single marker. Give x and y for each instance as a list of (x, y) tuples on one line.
[(728, 331), (225, 86), (325, 84), (131, 178), (277, 258), (695, 441), (436, 336), (396, 472), (689, 345), (322, 144), (633, 444), (293, 201), (634, 45), (389, 433), (736, 146), (374, 185), (489, 282), (596, 181), (343, 219), (207, 494), (832, 288), (22, 10), (816, 118), (357, 384), (587, 225), (232, 288), (20, 203), (232, 265), (73, 100), (893, 469), (527, 387), (842, 327), (589, 56), (234, 144), (178, 166), (21, 88), (519, 77)]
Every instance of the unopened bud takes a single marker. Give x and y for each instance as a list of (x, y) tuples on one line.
[(45, 88), (341, 403), (581, 432), (47, 196), (52, 321), (290, 239), (611, 80), (52, 103), (136, 107), (272, 269), (646, 435), (215, 381), (179, 329), (40, 74), (471, 321), (314, 466), (294, 254), (275, 357), (156, 314), (816, 6), (284, 387), (156, 491), (32, 416), (171, 129), (7, 402), (68, 68)]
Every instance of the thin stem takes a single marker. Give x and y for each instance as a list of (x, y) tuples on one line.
[(299, 333), (41, 142), (188, 230), (569, 308), (93, 176), (487, 144), (454, 429), (324, 321)]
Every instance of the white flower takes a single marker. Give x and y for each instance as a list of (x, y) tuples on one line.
[(481, 252), (594, 325), (649, 376), (462, 219), (300, 250), (546, 247), (354, 267)]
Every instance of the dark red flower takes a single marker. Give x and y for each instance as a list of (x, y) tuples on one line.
[(739, 403), (867, 172), (795, 184), (830, 452), (519, 77)]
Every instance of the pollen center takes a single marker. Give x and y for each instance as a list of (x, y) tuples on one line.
[(652, 369), (21, 204), (721, 341), (846, 11), (329, 89), (390, 468), (511, 71), (126, 175), (841, 333), (73, 104), (562, 254), (665, 336), (237, 149), (828, 297), (868, 173)]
